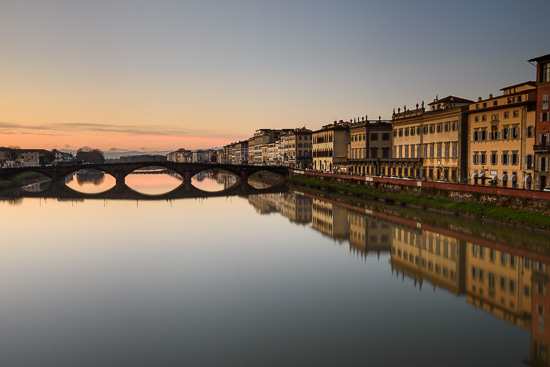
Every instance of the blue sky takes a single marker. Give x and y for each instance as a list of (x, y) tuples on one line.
[(209, 71)]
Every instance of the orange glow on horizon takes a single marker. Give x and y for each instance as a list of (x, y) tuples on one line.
[(128, 142)]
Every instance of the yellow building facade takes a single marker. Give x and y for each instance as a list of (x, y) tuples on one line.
[(436, 136), (330, 147), (501, 135), (499, 282), (428, 256)]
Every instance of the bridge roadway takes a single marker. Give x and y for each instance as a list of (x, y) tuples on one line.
[(120, 170)]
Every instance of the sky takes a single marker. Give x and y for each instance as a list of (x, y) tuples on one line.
[(165, 74)]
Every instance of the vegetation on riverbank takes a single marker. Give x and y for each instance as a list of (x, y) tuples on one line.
[(21, 180), (504, 215)]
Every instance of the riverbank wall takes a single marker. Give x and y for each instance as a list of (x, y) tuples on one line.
[(529, 201)]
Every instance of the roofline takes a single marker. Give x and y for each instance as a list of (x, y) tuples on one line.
[(547, 56), (530, 82)]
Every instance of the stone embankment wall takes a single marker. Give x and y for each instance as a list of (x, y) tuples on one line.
[(530, 201)]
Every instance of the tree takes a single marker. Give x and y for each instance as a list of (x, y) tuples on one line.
[(93, 156)]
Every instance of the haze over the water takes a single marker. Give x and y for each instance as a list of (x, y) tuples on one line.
[(157, 76)]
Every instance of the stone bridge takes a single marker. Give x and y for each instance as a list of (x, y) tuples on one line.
[(120, 170)]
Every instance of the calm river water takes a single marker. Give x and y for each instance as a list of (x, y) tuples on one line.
[(267, 280)]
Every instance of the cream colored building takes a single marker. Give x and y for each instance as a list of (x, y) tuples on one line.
[(330, 219), (437, 137), (330, 147), (368, 234), (370, 141), (499, 282), (501, 135), (429, 256), (297, 208)]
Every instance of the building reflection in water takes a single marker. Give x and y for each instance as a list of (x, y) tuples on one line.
[(94, 177), (509, 283)]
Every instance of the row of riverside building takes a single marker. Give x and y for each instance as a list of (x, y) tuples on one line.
[(499, 140)]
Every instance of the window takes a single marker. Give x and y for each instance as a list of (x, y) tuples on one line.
[(494, 158), (373, 136), (494, 135), (483, 134), (425, 155), (374, 152), (447, 150), (484, 118), (483, 157), (503, 258), (476, 119), (455, 150), (454, 126), (514, 157), (545, 75), (506, 115), (475, 159), (494, 117), (505, 132), (543, 164), (439, 150), (432, 150), (530, 131), (394, 133), (439, 128), (515, 132), (476, 135), (407, 132), (400, 132), (386, 136), (529, 161), (516, 113), (545, 101), (412, 131), (504, 157), (432, 128), (447, 127), (425, 130)]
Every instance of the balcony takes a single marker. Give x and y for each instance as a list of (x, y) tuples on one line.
[(542, 148)]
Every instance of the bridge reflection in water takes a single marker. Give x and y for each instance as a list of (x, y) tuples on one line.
[(122, 191)]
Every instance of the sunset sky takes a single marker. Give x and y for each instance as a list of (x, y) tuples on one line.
[(168, 74)]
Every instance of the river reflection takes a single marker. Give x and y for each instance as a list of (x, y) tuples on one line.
[(267, 280), (90, 181)]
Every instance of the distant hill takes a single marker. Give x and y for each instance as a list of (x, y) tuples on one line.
[(116, 155)]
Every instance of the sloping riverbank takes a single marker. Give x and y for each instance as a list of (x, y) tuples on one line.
[(349, 193)]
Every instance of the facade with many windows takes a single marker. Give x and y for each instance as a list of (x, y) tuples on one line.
[(501, 134), (437, 137), (370, 146), (330, 147), (298, 148), (542, 133)]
